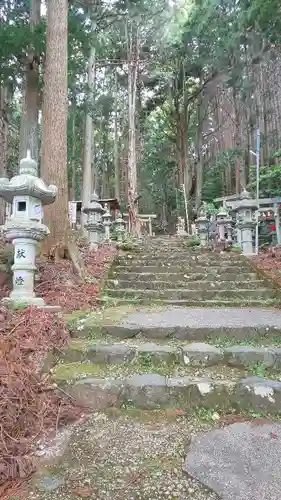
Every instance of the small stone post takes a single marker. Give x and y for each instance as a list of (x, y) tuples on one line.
[(93, 223), (246, 222), (27, 194), (120, 227), (106, 223), (202, 224)]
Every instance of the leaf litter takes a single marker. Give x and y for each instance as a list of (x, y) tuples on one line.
[(30, 404)]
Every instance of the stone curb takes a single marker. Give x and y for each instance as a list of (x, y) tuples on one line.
[(196, 354)]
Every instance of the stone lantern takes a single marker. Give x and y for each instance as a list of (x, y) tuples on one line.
[(246, 221), (27, 194), (223, 221), (94, 221), (106, 223), (120, 227), (202, 224), (229, 232), (181, 227)]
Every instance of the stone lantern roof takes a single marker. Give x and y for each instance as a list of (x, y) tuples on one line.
[(94, 205), (26, 183), (246, 201)]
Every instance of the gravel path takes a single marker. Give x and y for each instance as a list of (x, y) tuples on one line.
[(125, 455)]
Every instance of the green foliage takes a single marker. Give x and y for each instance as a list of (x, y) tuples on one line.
[(235, 249), (129, 244), (190, 242), (270, 180)]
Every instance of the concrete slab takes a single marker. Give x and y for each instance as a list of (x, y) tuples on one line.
[(241, 461)]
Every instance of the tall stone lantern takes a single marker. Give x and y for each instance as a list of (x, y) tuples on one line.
[(106, 223), (94, 221), (223, 220), (120, 227), (202, 224), (246, 221), (27, 194)]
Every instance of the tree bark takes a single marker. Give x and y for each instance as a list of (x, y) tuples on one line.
[(116, 142), (3, 144), (72, 190), (240, 168), (88, 147), (29, 137), (55, 108), (133, 56)]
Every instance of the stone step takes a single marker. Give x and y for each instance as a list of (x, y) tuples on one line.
[(174, 277), (215, 284), (143, 354), (181, 261), (153, 391), (184, 294), (179, 256), (218, 303), (179, 323), (183, 268)]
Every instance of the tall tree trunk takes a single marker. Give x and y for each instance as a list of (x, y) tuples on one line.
[(29, 133), (72, 190), (88, 147), (240, 168), (201, 115), (133, 56), (116, 142), (55, 108), (3, 143)]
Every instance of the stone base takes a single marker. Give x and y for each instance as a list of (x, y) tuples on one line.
[(37, 302), (29, 301)]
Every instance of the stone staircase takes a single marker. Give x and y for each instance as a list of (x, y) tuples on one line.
[(169, 356), (159, 373), (165, 272)]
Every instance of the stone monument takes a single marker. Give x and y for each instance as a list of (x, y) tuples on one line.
[(27, 194), (93, 223)]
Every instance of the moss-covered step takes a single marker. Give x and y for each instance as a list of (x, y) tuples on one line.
[(186, 277), (153, 390), (194, 354), (184, 267), (179, 259), (189, 294), (217, 285), (192, 324)]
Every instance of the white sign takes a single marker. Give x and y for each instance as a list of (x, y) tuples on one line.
[(72, 212)]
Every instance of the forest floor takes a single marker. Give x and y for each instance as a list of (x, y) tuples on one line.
[(269, 262), (30, 405)]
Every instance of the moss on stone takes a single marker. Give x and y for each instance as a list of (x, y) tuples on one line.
[(74, 371)]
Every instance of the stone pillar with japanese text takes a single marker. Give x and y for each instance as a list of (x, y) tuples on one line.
[(27, 194)]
